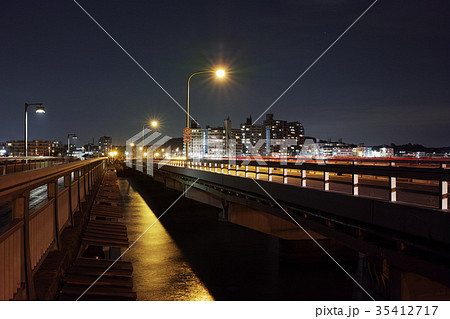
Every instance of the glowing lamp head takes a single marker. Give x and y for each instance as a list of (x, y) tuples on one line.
[(220, 73), (131, 144), (40, 109), (154, 123)]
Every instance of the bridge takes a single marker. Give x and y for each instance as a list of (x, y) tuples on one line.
[(395, 210), (394, 213)]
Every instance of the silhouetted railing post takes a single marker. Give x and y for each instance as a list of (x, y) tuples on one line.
[(52, 194), (76, 175), (20, 210), (303, 178), (355, 182), (326, 181), (443, 189), (393, 185), (68, 184)]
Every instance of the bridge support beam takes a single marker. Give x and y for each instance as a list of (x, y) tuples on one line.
[(267, 223), (307, 252)]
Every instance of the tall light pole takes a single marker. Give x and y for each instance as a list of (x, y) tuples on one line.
[(219, 73), (74, 136), (153, 124), (39, 109)]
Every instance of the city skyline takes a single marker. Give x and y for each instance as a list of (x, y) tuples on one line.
[(382, 83)]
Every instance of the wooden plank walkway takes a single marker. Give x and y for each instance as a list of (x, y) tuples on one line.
[(104, 239)]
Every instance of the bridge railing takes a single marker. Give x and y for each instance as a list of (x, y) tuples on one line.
[(292, 173), (33, 233), (10, 165)]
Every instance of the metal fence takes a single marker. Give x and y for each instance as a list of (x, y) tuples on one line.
[(33, 233), (433, 175)]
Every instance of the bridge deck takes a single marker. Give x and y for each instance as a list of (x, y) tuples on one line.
[(102, 233)]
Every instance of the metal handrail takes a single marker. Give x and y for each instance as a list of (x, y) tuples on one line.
[(31, 235), (440, 175)]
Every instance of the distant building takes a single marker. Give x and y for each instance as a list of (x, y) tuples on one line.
[(364, 151), (225, 141), (3, 151), (91, 150), (336, 149), (35, 148), (281, 131), (383, 151), (104, 145), (198, 146), (250, 134), (216, 142)]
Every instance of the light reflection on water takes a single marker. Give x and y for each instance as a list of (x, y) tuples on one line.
[(160, 271)]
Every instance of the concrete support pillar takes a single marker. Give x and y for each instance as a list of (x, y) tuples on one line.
[(303, 178), (326, 181), (223, 215)]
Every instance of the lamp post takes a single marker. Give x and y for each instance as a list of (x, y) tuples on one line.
[(220, 74), (39, 109), (153, 123), (74, 136)]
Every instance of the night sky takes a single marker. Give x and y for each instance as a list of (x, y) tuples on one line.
[(387, 80)]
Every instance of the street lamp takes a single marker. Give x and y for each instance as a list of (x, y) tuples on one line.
[(153, 123), (220, 74), (39, 109), (74, 136)]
